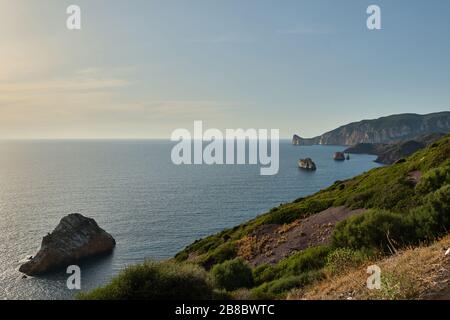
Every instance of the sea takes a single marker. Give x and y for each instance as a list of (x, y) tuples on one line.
[(152, 207)]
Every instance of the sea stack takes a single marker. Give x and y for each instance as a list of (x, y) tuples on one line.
[(75, 238), (339, 156), (296, 140), (307, 164)]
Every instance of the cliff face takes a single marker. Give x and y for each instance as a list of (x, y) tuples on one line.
[(384, 130)]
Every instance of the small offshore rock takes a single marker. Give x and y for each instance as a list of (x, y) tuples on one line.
[(307, 164), (339, 156)]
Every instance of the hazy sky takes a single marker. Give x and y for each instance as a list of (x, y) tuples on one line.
[(140, 69)]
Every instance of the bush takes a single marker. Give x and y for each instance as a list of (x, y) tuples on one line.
[(224, 252), (373, 229), (432, 219), (263, 273), (307, 260), (440, 202), (343, 259), (433, 180), (383, 229), (156, 281), (280, 287), (232, 275), (310, 259)]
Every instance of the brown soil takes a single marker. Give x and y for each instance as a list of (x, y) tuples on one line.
[(414, 177), (272, 243)]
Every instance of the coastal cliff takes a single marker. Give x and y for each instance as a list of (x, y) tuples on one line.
[(383, 130)]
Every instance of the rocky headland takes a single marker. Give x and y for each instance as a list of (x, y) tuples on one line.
[(383, 130)]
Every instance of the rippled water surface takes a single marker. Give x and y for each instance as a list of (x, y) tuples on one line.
[(131, 188)]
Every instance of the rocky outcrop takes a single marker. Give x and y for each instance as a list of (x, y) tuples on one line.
[(384, 130), (339, 156), (391, 153), (367, 148), (296, 140), (307, 164), (75, 238), (399, 151)]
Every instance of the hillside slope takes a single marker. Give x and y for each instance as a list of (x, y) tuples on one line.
[(415, 273), (383, 130)]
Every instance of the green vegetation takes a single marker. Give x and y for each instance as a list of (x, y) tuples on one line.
[(386, 230), (313, 258), (408, 204), (232, 275), (343, 259), (156, 281), (279, 287)]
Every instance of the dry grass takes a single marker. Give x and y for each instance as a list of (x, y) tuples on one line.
[(417, 273), (251, 246)]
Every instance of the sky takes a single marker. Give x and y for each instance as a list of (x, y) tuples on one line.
[(141, 69)]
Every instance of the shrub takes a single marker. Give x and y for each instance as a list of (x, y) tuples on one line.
[(263, 273), (373, 229), (383, 229), (440, 202), (232, 275), (307, 260), (359, 200), (222, 253), (343, 259), (310, 259), (425, 222), (156, 281), (432, 219), (280, 287), (433, 180), (396, 287)]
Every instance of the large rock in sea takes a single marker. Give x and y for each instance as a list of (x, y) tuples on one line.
[(307, 164), (339, 156), (75, 238)]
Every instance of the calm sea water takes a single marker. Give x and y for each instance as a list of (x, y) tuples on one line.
[(131, 188)]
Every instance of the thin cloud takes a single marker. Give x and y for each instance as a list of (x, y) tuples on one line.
[(304, 31), (225, 39), (83, 80)]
